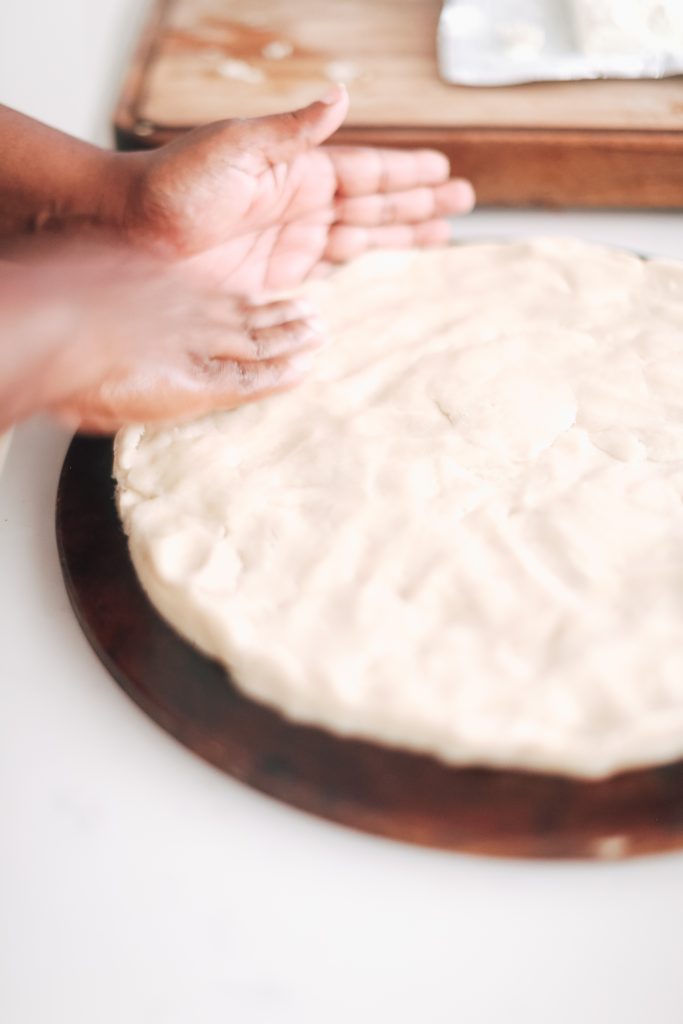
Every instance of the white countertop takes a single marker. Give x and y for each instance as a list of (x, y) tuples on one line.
[(138, 884)]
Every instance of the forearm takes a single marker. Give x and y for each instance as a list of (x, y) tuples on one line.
[(39, 355), (49, 180), (56, 312)]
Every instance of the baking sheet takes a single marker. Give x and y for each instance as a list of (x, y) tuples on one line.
[(509, 42)]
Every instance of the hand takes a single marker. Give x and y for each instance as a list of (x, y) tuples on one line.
[(203, 361), (258, 204), (100, 338)]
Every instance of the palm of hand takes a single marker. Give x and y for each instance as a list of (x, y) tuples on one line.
[(263, 230), (260, 205)]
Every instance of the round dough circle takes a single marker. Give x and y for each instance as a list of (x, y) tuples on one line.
[(463, 535)]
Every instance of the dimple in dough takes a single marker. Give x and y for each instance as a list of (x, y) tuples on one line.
[(463, 535)]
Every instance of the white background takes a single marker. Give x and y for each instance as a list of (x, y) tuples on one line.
[(139, 885)]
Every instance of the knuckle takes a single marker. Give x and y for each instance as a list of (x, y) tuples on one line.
[(389, 210), (258, 343), (203, 366)]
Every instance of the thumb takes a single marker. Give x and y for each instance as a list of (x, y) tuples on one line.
[(280, 137)]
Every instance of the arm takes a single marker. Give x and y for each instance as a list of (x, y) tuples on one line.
[(242, 205), (51, 180)]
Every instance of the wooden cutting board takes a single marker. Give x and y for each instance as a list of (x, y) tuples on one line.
[(567, 144), (367, 786)]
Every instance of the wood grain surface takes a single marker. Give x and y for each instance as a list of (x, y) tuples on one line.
[(366, 786), (616, 143)]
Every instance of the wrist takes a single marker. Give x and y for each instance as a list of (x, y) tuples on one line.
[(51, 181), (95, 196)]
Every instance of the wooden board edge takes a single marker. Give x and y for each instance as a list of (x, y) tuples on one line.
[(613, 168), (129, 131), (559, 167), (554, 167)]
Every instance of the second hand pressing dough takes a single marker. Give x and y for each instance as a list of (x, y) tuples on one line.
[(463, 534)]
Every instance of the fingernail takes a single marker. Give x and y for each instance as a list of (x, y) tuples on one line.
[(467, 195), (333, 95)]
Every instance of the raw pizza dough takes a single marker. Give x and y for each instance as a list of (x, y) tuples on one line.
[(464, 534)]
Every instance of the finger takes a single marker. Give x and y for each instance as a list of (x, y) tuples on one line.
[(254, 344), (272, 314), (232, 384), (363, 171), (246, 331), (288, 338), (411, 207), (346, 242), (280, 137), (202, 387)]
